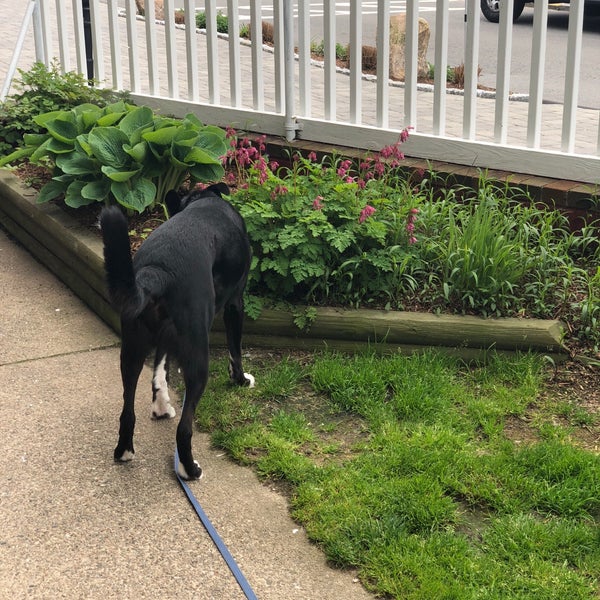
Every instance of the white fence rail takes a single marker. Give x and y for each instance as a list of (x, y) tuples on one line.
[(281, 90)]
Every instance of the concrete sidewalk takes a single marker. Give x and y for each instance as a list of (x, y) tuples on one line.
[(73, 524)]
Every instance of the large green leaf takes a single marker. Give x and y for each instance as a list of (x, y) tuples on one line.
[(76, 163), (35, 139), (16, 155), (117, 107), (58, 147), (63, 127), (139, 118), (109, 119), (118, 174), (160, 122), (204, 172), (107, 145), (42, 119), (40, 151), (74, 197), (135, 197), (213, 129), (87, 115), (201, 156), (163, 136), (65, 178), (179, 165), (138, 152), (193, 120), (51, 190), (82, 144), (212, 142), (96, 190)]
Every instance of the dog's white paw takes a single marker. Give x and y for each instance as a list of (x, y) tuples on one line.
[(163, 410), (183, 473), (126, 456), (250, 379)]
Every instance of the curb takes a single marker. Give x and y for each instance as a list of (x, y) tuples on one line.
[(74, 255)]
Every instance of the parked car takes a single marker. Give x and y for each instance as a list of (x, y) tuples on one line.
[(491, 8)]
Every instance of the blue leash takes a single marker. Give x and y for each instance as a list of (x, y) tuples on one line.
[(216, 538)]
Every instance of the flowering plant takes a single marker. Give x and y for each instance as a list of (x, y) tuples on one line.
[(324, 230)]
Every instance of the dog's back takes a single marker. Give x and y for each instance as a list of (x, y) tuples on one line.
[(202, 248)]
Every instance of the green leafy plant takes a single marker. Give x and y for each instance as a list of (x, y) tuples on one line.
[(39, 90), (363, 232), (222, 22), (323, 229), (342, 51), (121, 153)]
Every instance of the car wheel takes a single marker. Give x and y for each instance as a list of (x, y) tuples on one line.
[(491, 9)]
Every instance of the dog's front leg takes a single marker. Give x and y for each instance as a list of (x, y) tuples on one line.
[(233, 317), (161, 402)]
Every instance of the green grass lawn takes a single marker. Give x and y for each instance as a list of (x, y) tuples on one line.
[(433, 479)]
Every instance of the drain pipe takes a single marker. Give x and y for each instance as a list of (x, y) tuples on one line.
[(288, 51), (17, 53)]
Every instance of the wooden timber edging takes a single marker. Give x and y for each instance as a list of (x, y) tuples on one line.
[(74, 254)]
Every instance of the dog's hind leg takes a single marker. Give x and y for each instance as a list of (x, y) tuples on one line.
[(161, 403), (134, 349), (233, 317), (195, 372)]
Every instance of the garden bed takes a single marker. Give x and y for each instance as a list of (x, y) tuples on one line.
[(74, 254)]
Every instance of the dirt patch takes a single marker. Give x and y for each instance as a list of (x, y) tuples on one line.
[(570, 400)]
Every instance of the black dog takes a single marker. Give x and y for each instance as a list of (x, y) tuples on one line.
[(189, 268)]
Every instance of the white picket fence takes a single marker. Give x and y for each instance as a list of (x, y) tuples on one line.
[(281, 91)]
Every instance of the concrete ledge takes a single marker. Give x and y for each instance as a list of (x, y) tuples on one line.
[(74, 254)]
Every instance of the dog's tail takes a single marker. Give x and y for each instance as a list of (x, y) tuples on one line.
[(123, 291)]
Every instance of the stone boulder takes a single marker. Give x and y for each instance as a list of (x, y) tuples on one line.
[(398, 46)]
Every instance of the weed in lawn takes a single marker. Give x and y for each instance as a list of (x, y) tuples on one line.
[(409, 469)]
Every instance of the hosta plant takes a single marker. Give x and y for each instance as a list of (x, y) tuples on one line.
[(121, 153)]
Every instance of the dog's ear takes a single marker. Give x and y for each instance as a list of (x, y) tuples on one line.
[(221, 189), (173, 202)]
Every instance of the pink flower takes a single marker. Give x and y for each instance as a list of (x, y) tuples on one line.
[(278, 191), (404, 134), (410, 225), (312, 156), (318, 203), (365, 213), (343, 168)]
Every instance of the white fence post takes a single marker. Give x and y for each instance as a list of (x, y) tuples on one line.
[(13, 65)]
